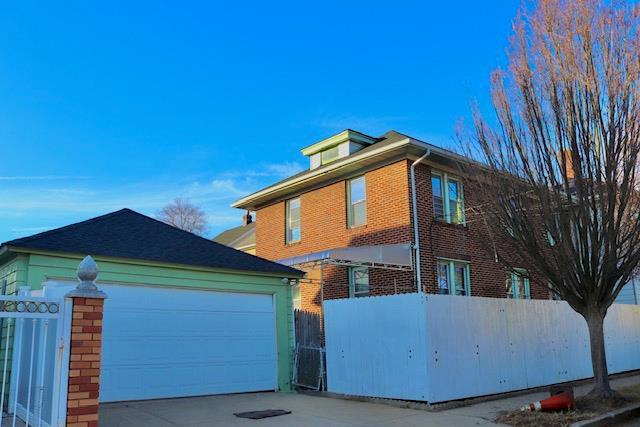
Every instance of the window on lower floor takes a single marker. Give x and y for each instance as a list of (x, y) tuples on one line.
[(518, 286), (297, 297), (453, 277), (358, 282)]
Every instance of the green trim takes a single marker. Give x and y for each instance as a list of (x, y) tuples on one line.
[(522, 274), (446, 202), (451, 278), (345, 135), (131, 261)]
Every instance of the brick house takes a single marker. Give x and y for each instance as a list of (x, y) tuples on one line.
[(358, 192)]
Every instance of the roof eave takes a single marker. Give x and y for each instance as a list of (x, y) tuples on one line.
[(345, 135), (295, 274), (248, 202), (263, 196)]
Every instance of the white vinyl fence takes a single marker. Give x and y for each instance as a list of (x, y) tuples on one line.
[(437, 348)]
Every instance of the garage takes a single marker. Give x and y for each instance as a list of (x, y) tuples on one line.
[(200, 343), (184, 316)]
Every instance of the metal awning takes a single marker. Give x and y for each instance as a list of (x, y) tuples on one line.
[(392, 257)]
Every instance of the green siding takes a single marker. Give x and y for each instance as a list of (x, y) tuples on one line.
[(35, 269), (14, 271)]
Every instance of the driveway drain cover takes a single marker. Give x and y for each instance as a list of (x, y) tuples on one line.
[(258, 415)]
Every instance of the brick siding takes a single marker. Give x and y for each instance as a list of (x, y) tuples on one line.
[(389, 221), (84, 363)]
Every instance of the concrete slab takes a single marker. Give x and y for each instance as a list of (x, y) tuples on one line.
[(308, 411)]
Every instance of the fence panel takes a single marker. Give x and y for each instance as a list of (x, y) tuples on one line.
[(376, 347), (465, 346)]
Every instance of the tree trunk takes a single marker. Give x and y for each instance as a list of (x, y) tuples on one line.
[(595, 323)]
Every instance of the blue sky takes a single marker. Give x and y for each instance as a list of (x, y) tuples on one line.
[(131, 104)]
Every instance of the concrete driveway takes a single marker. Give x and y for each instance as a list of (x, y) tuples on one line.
[(308, 411)]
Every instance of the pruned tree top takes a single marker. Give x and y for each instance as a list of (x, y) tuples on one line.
[(560, 175)]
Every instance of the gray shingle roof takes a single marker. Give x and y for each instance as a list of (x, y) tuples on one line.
[(231, 235), (129, 234)]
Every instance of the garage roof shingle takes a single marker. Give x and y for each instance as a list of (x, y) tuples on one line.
[(129, 234)]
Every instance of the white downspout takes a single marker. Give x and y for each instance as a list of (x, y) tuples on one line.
[(414, 205)]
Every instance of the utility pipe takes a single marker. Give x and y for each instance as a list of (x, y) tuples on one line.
[(414, 204)]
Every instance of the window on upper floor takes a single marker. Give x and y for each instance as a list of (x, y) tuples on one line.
[(358, 282), (329, 155), (518, 286), (292, 220), (356, 202), (448, 200), (453, 277)]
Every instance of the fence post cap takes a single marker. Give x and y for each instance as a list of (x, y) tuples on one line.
[(87, 273)]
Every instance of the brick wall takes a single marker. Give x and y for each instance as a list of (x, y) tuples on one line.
[(84, 362), (324, 226), (470, 243)]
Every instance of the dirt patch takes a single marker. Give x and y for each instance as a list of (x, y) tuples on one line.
[(586, 408)]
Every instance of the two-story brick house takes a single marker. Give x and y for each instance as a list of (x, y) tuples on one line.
[(358, 191)]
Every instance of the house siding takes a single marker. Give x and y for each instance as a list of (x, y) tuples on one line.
[(324, 226), (439, 239), (389, 221)]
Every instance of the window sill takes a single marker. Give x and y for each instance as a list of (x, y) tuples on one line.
[(449, 224), (356, 227), (296, 243)]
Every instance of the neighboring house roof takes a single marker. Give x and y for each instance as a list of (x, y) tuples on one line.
[(129, 234), (238, 237), (390, 147)]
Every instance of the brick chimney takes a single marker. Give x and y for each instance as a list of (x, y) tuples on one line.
[(247, 218)]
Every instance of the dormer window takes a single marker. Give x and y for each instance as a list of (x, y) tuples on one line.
[(338, 146), (328, 156)]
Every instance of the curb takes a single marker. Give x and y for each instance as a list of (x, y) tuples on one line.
[(610, 417)]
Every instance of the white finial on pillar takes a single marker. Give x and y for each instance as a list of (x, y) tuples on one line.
[(87, 273)]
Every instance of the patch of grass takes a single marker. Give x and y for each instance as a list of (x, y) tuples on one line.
[(586, 408)]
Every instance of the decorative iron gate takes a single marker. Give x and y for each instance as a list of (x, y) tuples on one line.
[(34, 359)]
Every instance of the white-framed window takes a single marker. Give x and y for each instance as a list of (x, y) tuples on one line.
[(297, 297), (518, 286), (329, 155), (358, 282), (448, 198), (292, 220), (453, 277), (356, 202)]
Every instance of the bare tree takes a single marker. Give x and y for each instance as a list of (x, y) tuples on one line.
[(558, 169), (184, 215)]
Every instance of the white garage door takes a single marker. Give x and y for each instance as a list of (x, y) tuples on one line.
[(167, 342)]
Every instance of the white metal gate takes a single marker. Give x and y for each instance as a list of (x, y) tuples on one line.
[(34, 360)]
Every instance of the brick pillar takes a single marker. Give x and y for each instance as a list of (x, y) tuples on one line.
[(84, 362), (86, 348)]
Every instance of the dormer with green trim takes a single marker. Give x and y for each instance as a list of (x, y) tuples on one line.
[(336, 147)]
